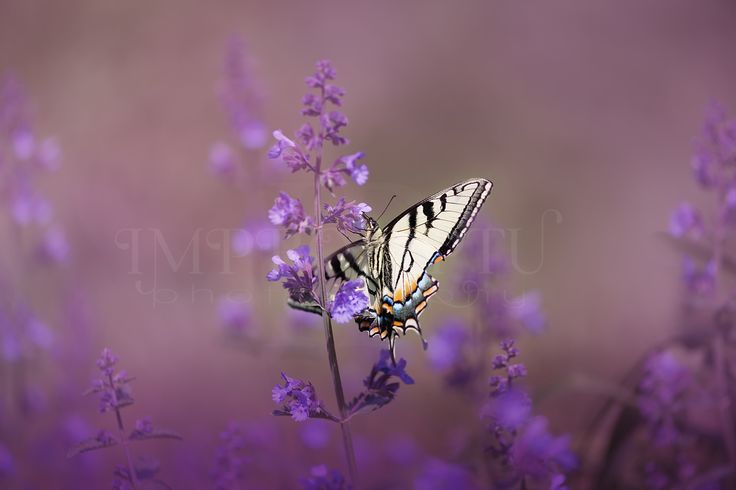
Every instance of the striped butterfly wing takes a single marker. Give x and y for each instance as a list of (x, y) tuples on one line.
[(416, 239), (348, 263)]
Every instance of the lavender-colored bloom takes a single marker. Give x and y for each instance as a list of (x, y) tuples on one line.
[(235, 315), (289, 213), (508, 411), (298, 399), (350, 300), (242, 97), (358, 172), (7, 462), (446, 346), (685, 219), (322, 478), (526, 309), (381, 385), (299, 278), (441, 475), (231, 458), (660, 395), (222, 160), (54, 246), (698, 281), (538, 454), (315, 434), (348, 216)]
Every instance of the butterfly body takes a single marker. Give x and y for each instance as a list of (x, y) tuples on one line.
[(394, 260)]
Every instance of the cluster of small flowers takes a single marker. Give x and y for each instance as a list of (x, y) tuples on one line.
[(24, 158), (521, 445), (459, 349), (231, 458), (114, 393), (299, 399), (714, 169), (322, 478), (306, 153), (381, 385)]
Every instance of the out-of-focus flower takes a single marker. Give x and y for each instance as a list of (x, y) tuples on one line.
[(231, 458), (350, 300), (441, 475), (299, 277), (235, 315), (242, 98), (526, 309), (538, 454), (661, 395), (686, 219), (446, 347), (315, 434), (55, 247), (322, 478), (7, 462), (222, 160), (289, 213), (698, 281)]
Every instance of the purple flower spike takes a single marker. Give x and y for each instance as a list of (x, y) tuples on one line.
[(323, 479), (348, 216)]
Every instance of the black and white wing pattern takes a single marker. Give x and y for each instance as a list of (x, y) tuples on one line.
[(393, 260), (423, 235)]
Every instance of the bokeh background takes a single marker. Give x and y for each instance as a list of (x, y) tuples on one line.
[(583, 115)]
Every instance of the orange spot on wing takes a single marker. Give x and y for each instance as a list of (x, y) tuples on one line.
[(420, 307), (374, 331), (439, 258), (430, 291)]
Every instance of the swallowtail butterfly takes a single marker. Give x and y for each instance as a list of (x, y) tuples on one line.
[(393, 260)]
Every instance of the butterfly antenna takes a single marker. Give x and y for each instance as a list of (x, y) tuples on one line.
[(386, 208)]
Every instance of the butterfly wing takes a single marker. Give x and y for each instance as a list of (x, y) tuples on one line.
[(348, 263), (423, 235)]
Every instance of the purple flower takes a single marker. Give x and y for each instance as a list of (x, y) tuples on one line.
[(222, 160), (381, 385), (315, 434), (298, 399), (323, 479), (231, 458), (242, 98), (289, 213), (538, 454), (299, 278), (350, 300), (526, 309), (235, 315), (508, 410), (441, 475), (685, 219), (106, 362), (661, 395), (358, 172), (54, 247), (347, 215), (698, 281), (447, 345)]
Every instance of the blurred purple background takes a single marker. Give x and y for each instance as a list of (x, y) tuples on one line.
[(583, 116)]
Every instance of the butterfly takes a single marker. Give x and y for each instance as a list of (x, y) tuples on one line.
[(393, 260)]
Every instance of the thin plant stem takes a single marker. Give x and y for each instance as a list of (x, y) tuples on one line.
[(123, 438), (327, 323), (721, 363)]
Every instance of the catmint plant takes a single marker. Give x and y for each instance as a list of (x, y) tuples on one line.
[(523, 454), (114, 393), (460, 348), (303, 275)]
